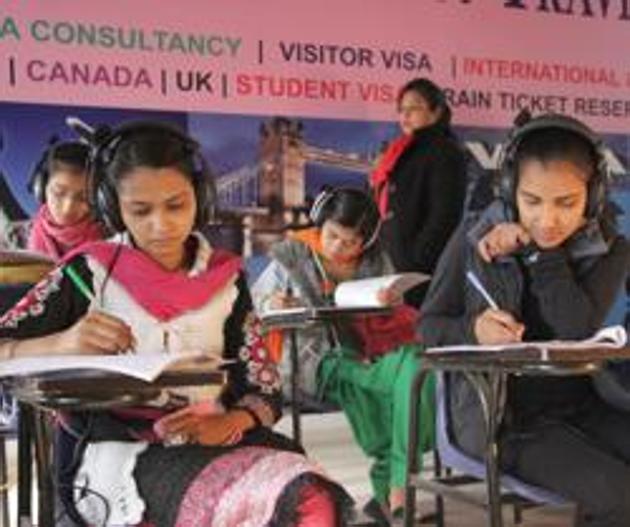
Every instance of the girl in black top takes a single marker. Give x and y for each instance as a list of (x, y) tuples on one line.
[(549, 255)]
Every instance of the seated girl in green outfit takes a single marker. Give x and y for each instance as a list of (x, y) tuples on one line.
[(368, 377)]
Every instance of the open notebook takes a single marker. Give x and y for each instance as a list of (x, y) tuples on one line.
[(351, 297), (146, 367), (613, 337)]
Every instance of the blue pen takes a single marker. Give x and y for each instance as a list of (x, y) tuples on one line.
[(476, 283)]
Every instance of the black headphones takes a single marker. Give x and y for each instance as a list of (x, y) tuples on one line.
[(525, 125), (324, 204), (103, 195), (73, 153)]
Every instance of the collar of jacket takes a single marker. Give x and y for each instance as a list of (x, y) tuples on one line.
[(431, 131)]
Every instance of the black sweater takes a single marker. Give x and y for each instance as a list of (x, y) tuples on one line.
[(555, 296), (426, 198)]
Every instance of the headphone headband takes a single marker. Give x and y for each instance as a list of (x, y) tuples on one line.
[(526, 125), (323, 203), (106, 139)]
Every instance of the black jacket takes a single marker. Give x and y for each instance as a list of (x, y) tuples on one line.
[(426, 198), (557, 296)]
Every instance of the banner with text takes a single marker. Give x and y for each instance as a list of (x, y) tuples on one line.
[(337, 59)]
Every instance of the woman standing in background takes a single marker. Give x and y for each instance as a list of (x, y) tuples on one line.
[(420, 183)]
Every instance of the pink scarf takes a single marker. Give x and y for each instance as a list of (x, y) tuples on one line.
[(379, 178), (164, 294), (56, 240)]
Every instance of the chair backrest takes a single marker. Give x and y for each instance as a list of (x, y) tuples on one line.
[(451, 456)]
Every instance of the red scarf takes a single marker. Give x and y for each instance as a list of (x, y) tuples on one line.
[(56, 240), (379, 178), (164, 294)]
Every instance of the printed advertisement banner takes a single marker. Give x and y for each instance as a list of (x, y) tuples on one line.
[(334, 59)]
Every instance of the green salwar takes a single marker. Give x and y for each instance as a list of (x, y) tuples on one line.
[(375, 399)]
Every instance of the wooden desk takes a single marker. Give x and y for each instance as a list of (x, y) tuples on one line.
[(297, 319), (82, 390), (488, 371)]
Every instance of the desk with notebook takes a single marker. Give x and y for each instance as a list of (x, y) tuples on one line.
[(82, 390), (487, 370)]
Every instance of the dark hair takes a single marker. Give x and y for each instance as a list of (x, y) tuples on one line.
[(354, 209), (431, 93), (153, 148), (557, 144), (71, 156)]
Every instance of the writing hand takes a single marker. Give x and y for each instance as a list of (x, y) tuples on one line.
[(97, 333), (501, 240), (388, 296), (495, 326), (280, 300)]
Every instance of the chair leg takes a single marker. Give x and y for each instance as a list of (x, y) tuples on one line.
[(25, 463), (296, 405), (518, 514), (439, 500), (4, 484), (46, 496)]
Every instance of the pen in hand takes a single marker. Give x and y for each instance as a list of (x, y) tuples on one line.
[(476, 283), (494, 326), (288, 289), (83, 288)]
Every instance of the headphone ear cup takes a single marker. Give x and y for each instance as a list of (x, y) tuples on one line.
[(107, 208), (315, 214), (39, 178), (373, 237), (38, 186), (205, 193), (597, 195), (506, 190), (204, 201)]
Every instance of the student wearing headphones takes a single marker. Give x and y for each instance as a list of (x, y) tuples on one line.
[(548, 253), (59, 183), (159, 287), (363, 366)]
